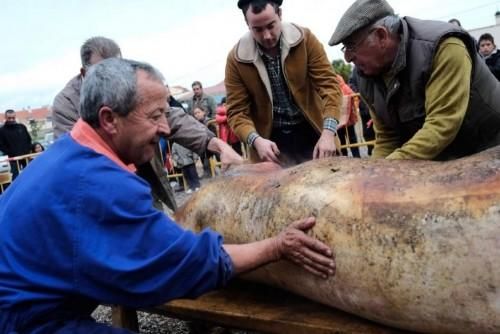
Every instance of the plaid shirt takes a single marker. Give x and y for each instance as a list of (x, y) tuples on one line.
[(285, 112)]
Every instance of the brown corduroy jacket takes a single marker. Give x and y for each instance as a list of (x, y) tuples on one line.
[(309, 75)]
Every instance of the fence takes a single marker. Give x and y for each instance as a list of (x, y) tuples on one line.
[(21, 162)]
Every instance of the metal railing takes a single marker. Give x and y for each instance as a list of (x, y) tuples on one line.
[(21, 162)]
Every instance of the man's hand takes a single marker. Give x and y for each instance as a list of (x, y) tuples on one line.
[(228, 156), (325, 147), (309, 253), (267, 150), (292, 244)]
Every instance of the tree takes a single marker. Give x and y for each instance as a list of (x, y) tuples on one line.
[(342, 68)]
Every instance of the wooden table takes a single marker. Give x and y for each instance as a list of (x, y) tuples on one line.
[(256, 307)]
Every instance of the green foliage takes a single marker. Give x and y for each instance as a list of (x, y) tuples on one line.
[(342, 68)]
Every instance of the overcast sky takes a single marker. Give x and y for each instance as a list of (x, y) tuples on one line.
[(186, 39)]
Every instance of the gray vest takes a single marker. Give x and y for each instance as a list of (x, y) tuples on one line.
[(401, 106)]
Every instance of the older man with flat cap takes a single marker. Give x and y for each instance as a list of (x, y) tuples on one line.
[(282, 95), (430, 94)]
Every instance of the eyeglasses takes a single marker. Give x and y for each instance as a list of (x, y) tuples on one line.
[(353, 47)]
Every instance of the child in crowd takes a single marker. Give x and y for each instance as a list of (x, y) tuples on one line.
[(37, 147), (185, 160), (199, 112)]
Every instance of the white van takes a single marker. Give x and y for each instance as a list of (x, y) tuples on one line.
[(4, 164)]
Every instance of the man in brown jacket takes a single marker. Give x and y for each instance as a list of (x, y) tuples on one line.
[(283, 97), (185, 130)]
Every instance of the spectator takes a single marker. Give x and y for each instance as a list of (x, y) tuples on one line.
[(37, 147), (66, 106), (15, 140), (347, 121), (199, 114), (185, 160), (200, 99), (185, 130), (366, 120), (490, 53), (87, 233), (432, 96), (283, 98)]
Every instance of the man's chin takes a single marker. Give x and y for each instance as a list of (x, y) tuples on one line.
[(269, 46), (365, 74), (142, 161)]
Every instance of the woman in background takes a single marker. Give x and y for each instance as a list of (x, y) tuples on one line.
[(37, 147)]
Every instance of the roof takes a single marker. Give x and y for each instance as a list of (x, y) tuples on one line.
[(219, 89), (25, 115)]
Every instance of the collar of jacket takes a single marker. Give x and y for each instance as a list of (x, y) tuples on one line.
[(247, 51), (492, 54), (201, 98), (399, 62)]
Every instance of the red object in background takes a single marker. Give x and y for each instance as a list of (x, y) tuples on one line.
[(348, 115), (225, 132), (169, 164)]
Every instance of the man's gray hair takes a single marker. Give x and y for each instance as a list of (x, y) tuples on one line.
[(100, 46), (112, 83), (391, 22)]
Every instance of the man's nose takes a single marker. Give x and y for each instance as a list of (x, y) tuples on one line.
[(348, 56), (267, 34), (163, 127)]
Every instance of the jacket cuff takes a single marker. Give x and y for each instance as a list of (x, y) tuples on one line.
[(251, 138), (331, 124)]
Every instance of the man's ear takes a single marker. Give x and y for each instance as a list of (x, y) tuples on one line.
[(107, 120), (383, 36)]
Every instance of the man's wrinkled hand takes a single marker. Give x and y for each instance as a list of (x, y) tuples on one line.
[(293, 244), (229, 157)]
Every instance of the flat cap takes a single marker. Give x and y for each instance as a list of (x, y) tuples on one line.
[(361, 14), (243, 3)]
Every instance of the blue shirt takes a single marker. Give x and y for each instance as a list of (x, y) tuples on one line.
[(76, 230)]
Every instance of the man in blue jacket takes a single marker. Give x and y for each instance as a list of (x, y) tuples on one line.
[(79, 228)]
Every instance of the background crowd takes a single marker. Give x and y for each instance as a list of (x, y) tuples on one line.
[(426, 88)]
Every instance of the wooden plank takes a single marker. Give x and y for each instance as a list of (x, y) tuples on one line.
[(5, 180), (256, 307), (124, 318)]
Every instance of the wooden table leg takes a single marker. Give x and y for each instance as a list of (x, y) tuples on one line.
[(124, 318)]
